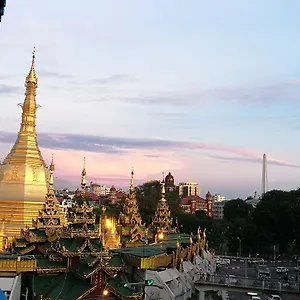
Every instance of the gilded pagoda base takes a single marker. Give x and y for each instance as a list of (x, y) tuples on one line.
[(16, 215)]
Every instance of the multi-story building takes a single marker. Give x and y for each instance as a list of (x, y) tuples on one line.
[(187, 189), (99, 190), (218, 210), (218, 198)]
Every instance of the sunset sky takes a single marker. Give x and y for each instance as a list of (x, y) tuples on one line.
[(198, 88)]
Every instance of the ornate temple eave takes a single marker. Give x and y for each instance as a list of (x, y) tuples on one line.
[(51, 270)]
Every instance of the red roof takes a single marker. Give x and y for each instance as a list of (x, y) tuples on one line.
[(92, 196), (112, 189), (121, 194), (187, 200), (60, 199)]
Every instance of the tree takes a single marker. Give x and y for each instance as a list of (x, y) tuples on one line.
[(147, 196), (237, 209)]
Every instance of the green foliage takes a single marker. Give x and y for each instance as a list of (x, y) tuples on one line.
[(147, 196), (274, 221)]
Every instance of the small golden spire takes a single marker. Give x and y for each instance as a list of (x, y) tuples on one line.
[(131, 182), (191, 238), (50, 193), (83, 178), (199, 234), (31, 77), (163, 190)]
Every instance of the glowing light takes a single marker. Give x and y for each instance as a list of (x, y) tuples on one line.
[(161, 236), (105, 292), (108, 223)]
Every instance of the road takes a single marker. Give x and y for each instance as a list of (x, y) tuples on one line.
[(240, 268)]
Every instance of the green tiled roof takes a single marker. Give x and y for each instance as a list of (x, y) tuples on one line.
[(116, 261), (97, 244), (21, 240), (63, 286), (168, 243), (73, 244), (83, 269), (38, 232), (43, 262)]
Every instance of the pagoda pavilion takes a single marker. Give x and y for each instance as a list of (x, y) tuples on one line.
[(162, 221), (132, 231), (70, 261)]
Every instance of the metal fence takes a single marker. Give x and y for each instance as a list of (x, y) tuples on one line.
[(270, 285)]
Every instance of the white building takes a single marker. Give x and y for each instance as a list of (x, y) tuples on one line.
[(219, 198), (11, 287), (218, 210), (179, 285), (188, 189), (66, 204), (99, 190)]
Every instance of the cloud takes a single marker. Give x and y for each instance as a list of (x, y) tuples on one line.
[(115, 79), (114, 145), (288, 90), (46, 73), (271, 161), (8, 89)]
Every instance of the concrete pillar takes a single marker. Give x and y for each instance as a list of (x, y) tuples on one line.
[(201, 295), (208, 296)]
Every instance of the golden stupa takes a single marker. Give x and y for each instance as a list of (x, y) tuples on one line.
[(23, 173)]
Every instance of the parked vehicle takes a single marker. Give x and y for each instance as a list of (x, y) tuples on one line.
[(232, 279), (256, 261), (223, 261), (273, 297), (282, 270), (262, 271), (297, 268)]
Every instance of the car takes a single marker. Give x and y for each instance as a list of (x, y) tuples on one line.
[(223, 262), (251, 294), (256, 261), (297, 268), (273, 297), (255, 298), (282, 270), (232, 279)]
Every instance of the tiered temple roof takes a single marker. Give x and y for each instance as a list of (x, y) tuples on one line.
[(133, 232), (162, 220), (71, 255)]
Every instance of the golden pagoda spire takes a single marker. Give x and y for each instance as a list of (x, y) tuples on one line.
[(163, 189), (83, 179), (162, 220), (24, 179), (29, 106), (131, 190), (51, 180), (26, 148), (130, 214)]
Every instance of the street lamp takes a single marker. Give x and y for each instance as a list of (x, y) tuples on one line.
[(240, 247)]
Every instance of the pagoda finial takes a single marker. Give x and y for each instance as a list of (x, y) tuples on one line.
[(51, 180), (31, 77), (131, 181), (163, 190), (83, 178)]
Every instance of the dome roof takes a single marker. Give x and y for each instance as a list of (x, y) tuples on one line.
[(208, 195), (113, 189), (169, 177)]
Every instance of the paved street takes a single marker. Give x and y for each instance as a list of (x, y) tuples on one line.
[(240, 268)]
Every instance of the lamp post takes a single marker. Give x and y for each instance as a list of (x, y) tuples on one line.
[(240, 247)]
